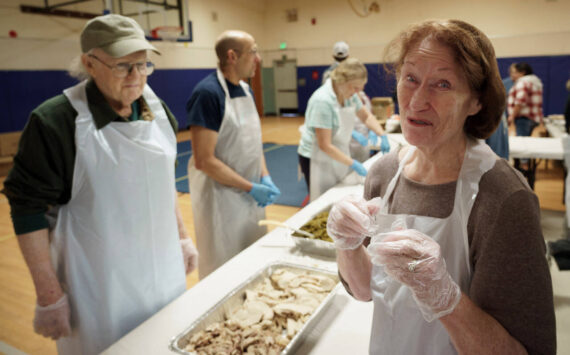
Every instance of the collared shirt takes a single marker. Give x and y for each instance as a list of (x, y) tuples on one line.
[(206, 106), (43, 167), (323, 112), (527, 93)]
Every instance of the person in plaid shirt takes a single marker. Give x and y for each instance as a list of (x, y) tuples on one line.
[(525, 99)]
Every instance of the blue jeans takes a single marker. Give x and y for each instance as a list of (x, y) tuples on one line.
[(524, 126)]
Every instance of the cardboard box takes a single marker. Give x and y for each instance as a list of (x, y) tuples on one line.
[(9, 143), (382, 108)]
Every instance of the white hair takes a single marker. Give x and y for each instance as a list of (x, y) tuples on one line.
[(77, 70)]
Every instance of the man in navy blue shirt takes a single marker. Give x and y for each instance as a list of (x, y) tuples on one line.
[(229, 181)]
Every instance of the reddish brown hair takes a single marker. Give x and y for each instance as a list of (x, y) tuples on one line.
[(476, 57)]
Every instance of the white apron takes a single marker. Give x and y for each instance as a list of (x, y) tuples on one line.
[(325, 171), (398, 326), (225, 218), (115, 245)]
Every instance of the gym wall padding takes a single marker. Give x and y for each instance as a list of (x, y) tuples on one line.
[(175, 86), (554, 71), (22, 90)]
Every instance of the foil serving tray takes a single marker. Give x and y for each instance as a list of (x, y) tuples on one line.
[(236, 298), (315, 246)]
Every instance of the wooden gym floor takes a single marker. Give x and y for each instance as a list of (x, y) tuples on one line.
[(17, 295)]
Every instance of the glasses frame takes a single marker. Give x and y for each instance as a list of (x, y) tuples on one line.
[(254, 51), (144, 68)]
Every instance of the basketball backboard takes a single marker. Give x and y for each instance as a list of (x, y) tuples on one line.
[(160, 19)]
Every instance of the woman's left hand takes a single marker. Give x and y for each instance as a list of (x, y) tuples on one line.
[(415, 260)]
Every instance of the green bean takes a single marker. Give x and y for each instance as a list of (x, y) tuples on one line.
[(317, 226)]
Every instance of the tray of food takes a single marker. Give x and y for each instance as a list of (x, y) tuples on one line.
[(269, 313), (321, 243)]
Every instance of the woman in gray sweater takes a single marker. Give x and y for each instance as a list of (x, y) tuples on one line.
[(456, 261)]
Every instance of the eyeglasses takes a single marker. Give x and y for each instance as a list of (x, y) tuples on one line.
[(122, 70), (253, 51)]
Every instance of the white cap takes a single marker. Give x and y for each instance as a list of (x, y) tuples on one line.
[(340, 50)]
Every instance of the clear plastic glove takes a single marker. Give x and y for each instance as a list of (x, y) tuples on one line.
[(384, 144), (360, 138), (358, 167), (373, 138), (53, 321), (267, 181), (350, 221), (262, 194), (189, 254), (415, 260)]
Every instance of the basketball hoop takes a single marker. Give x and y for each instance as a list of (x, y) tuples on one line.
[(166, 33)]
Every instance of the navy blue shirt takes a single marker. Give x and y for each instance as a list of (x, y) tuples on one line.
[(207, 103)]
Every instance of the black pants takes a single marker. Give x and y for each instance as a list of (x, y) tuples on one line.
[(305, 164)]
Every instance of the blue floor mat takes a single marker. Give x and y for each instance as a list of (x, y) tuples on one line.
[(184, 150), (281, 162)]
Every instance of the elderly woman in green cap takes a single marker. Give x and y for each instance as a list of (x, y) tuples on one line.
[(92, 196)]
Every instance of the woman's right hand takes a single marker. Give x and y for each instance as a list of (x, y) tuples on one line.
[(350, 220)]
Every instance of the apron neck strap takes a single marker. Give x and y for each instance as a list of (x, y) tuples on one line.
[(222, 80), (224, 84), (392, 184)]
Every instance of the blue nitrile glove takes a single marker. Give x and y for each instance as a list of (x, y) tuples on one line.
[(373, 138), (358, 167), (359, 137), (267, 181), (384, 144), (262, 194)]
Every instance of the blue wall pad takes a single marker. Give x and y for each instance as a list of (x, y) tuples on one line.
[(554, 71), (281, 162), (175, 86), (305, 92), (23, 90), (379, 84)]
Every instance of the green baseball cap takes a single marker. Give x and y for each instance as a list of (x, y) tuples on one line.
[(116, 35)]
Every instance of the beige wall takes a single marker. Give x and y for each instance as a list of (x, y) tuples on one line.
[(51, 42), (516, 27)]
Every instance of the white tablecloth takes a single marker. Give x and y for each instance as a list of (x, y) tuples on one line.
[(536, 147), (556, 128), (344, 328), (519, 147)]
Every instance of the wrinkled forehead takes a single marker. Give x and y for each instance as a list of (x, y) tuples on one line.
[(430, 47), (434, 50)]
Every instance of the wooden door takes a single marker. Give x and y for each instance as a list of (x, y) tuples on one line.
[(257, 88)]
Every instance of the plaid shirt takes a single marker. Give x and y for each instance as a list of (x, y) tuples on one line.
[(527, 93)]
